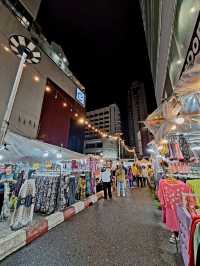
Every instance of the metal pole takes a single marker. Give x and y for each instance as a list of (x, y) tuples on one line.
[(13, 94), (119, 149)]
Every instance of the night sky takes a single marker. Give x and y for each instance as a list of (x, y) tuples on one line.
[(105, 44)]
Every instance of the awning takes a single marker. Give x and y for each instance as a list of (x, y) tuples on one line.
[(178, 114), (20, 148)]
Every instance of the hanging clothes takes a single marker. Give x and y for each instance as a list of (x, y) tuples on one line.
[(185, 148), (62, 193), (46, 193), (72, 190), (88, 184), (23, 213), (170, 194), (5, 211)]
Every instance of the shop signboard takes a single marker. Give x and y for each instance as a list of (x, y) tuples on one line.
[(80, 96), (194, 47)]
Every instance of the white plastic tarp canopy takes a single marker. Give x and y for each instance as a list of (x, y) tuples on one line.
[(162, 121), (20, 148)]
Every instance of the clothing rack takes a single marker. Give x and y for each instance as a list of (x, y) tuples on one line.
[(47, 173)]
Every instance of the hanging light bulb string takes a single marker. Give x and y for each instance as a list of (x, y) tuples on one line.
[(83, 121)]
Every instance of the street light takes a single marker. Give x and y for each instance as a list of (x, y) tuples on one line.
[(29, 53)]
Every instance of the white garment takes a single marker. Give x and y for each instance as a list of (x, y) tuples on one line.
[(106, 175)]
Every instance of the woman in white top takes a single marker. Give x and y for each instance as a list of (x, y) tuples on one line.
[(106, 179)]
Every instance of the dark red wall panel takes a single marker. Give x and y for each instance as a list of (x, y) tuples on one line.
[(55, 118)]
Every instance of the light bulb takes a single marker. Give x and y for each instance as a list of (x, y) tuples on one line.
[(6, 49), (47, 89), (81, 120), (36, 78), (59, 155), (179, 120), (173, 127)]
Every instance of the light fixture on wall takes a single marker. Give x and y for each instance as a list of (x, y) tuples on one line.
[(192, 9), (36, 78), (64, 104), (6, 48), (48, 89)]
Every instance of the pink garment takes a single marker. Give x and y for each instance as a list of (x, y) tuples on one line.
[(170, 195)]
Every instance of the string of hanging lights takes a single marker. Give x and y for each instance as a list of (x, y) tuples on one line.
[(85, 122)]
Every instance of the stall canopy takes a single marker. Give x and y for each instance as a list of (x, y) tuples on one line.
[(20, 148), (180, 113)]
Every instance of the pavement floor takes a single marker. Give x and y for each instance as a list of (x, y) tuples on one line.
[(122, 231)]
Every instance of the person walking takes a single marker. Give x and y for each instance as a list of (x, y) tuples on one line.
[(135, 173), (106, 179), (121, 179), (130, 177)]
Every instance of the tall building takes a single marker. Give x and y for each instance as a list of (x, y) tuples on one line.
[(170, 29), (108, 120), (47, 91), (137, 112)]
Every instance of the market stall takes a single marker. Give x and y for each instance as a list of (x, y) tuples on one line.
[(39, 178), (175, 150)]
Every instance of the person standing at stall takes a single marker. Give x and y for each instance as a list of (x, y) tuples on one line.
[(121, 179), (106, 179), (130, 178)]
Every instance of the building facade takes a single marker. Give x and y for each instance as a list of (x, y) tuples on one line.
[(108, 149), (137, 112), (169, 27), (108, 120), (34, 109)]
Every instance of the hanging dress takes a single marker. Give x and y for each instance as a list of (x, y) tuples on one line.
[(23, 213)]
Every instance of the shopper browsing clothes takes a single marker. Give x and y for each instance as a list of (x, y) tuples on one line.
[(106, 179), (121, 179)]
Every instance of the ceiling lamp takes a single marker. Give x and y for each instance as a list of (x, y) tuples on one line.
[(59, 155), (64, 104), (173, 127), (179, 120), (76, 115)]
